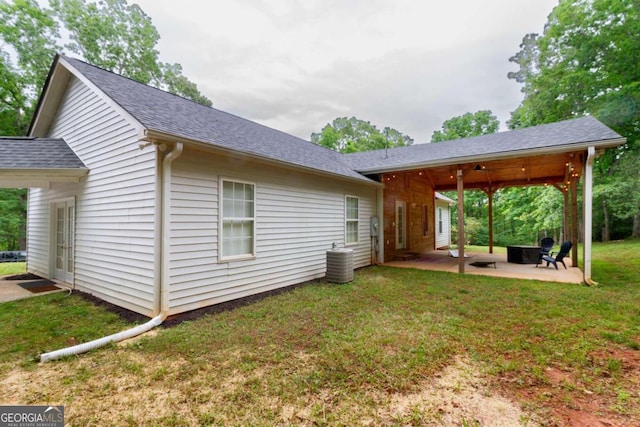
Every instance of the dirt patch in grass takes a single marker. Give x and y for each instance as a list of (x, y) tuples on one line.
[(92, 393), (572, 403), (458, 396)]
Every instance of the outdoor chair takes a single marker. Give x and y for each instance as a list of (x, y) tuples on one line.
[(545, 248), (564, 251)]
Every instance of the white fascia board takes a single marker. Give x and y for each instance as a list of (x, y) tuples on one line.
[(54, 175)]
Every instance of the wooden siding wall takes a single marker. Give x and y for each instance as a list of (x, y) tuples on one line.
[(298, 217), (443, 240), (114, 204), (415, 191)]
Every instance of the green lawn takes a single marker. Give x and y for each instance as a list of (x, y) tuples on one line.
[(7, 268), (344, 347)]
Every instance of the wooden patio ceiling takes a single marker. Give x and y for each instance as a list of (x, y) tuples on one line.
[(550, 169)]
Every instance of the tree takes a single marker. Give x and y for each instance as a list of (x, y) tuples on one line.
[(470, 124), (587, 62), (13, 207), (348, 135), (28, 36), (120, 37), (108, 33)]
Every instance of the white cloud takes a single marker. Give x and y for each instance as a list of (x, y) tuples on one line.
[(297, 65)]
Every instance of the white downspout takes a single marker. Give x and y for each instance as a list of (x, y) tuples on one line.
[(588, 214), (166, 224), (163, 307)]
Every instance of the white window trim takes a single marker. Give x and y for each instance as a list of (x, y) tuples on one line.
[(221, 257), (347, 220)]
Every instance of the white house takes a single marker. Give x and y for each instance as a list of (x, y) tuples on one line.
[(443, 221), (161, 205)]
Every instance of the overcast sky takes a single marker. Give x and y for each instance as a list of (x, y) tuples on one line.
[(295, 65)]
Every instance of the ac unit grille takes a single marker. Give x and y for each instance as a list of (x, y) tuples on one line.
[(340, 265)]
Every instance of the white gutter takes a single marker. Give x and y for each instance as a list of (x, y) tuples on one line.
[(588, 214), (162, 301), (150, 136)]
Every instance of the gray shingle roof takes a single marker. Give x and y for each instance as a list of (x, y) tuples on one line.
[(37, 153), (565, 134), (164, 112)]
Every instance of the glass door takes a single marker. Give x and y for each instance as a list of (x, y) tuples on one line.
[(63, 237)]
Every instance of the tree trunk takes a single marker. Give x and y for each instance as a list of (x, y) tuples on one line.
[(636, 226), (606, 234)]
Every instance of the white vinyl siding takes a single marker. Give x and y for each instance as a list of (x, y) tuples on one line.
[(352, 220), (443, 224), (115, 228), (297, 219), (238, 220)]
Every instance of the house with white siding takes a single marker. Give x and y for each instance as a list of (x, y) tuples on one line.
[(160, 205), (443, 221)]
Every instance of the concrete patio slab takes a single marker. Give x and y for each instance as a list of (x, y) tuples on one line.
[(10, 290), (441, 261)]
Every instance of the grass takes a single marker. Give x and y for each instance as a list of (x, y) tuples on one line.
[(7, 268), (330, 354)]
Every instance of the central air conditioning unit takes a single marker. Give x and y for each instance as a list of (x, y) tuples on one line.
[(340, 265)]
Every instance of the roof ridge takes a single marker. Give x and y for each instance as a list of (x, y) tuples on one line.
[(71, 59)]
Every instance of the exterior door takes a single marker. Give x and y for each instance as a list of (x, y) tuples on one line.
[(63, 240), (401, 225)]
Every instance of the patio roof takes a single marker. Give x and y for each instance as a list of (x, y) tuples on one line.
[(545, 154), (27, 162)]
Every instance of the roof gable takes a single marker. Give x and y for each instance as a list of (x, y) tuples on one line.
[(169, 114)]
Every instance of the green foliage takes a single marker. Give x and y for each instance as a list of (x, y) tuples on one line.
[(28, 43), (348, 135), (175, 82), (110, 34), (13, 210), (521, 215), (586, 63), (470, 124)]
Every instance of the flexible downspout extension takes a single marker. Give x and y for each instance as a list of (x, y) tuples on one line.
[(588, 215), (156, 321), (100, 342)]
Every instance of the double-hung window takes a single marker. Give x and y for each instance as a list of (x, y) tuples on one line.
[(352, 220), (238, 222)]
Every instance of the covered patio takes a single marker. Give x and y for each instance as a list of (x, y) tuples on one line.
[(559, 155)]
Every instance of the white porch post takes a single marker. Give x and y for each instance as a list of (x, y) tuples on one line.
[(588, 214), (380, 212), (460, 222)]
